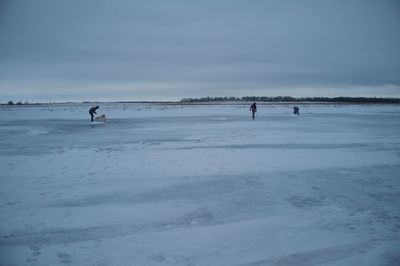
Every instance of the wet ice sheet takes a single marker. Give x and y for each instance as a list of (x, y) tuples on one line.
[(200, 185)]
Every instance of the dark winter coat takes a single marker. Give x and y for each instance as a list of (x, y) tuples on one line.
[(93, 110), (253, 108)]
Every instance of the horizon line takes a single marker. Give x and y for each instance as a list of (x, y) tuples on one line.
[(221, 99)]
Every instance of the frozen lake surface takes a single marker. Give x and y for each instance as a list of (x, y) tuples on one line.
[(200, 185)]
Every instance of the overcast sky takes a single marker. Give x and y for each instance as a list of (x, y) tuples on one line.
[(166, 50)]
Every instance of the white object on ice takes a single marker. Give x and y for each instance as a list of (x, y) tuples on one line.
[(101, 118)]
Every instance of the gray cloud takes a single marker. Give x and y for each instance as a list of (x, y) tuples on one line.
[(173, 49)]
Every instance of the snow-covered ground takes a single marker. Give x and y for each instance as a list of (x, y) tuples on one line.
[(200, 185)]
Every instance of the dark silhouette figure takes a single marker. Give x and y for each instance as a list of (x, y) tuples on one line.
[(92, 111), (253, 109), (296, 110)]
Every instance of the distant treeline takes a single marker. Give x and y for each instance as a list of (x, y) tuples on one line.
[(292, 99), (17, 103)]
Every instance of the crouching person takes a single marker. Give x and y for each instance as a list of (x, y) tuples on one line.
[(296, 110)]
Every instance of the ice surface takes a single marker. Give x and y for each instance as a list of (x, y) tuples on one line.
[(165, 184)]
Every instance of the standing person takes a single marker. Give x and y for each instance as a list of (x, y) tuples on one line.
[(93, 111), (296, 110), (253, 109)]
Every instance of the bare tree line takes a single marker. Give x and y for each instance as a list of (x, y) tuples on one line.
[(293, 99)]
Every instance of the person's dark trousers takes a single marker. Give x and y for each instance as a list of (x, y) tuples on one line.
[(91, 115)]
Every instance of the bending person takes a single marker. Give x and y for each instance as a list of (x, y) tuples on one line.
[(92, 111)]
